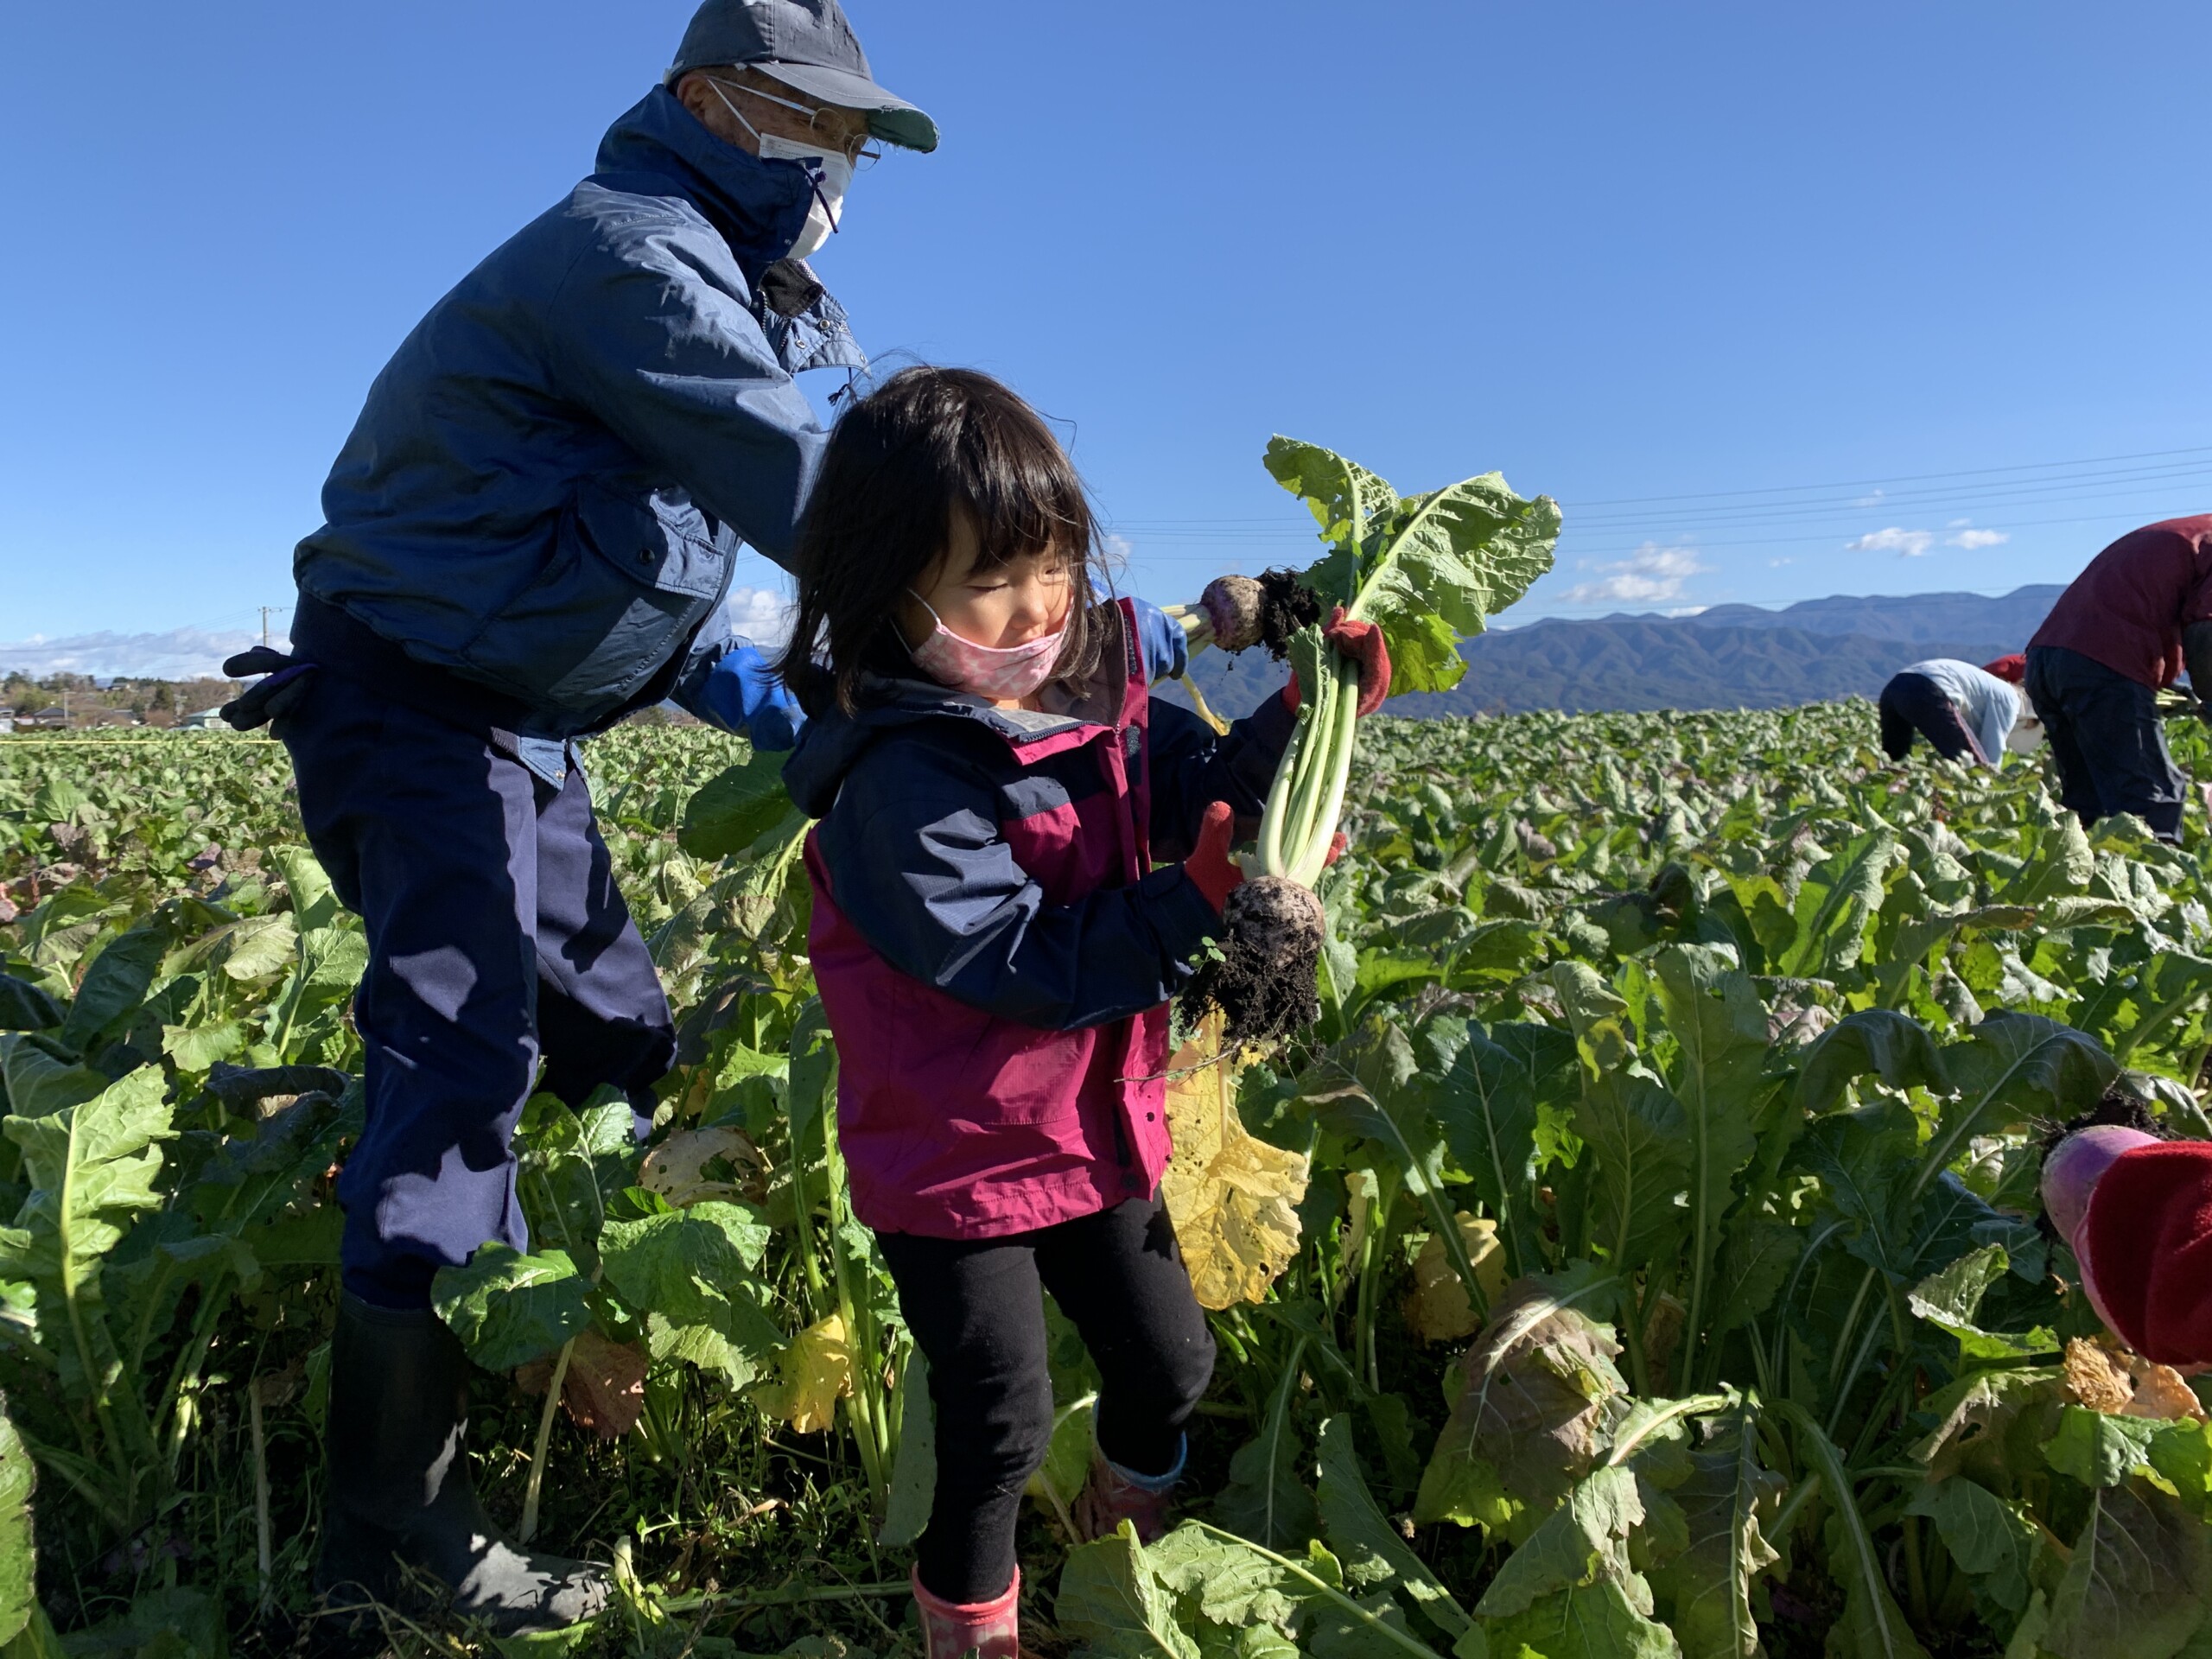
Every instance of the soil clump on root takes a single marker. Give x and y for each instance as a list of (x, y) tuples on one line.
[(1265, 980), (2118, 1108), (1286, 605)]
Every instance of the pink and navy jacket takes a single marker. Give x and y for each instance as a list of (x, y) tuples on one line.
[(995, 946)]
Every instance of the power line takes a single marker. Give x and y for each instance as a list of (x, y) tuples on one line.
[(2118, 469), (1905, 477), (1759, 541)]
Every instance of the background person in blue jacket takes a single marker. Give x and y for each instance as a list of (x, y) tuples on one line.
[(530, 534)]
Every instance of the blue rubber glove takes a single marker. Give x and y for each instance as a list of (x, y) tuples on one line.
[(1166, 648), (741, 694)]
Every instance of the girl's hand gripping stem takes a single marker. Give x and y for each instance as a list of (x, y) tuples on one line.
[(1360, 643), (1211, 869)]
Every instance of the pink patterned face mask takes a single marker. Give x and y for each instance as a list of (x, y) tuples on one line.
[(986, 671)]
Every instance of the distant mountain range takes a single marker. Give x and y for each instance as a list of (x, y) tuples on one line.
[(1730, 656)]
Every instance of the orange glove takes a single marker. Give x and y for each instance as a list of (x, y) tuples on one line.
[(1364, 644), (1211, 869)]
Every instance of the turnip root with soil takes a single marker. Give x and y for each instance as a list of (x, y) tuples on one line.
[(1429, 571)]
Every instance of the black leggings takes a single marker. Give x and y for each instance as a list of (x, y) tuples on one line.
[(975, 1308)]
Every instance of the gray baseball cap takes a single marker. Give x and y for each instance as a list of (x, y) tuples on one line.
[(809, 46)]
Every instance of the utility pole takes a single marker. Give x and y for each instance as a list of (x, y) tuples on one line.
[(265, 624)]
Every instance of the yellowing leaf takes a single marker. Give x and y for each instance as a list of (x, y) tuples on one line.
[(2162, 1394), (814, 1373), (1233, 1199), (1436, 1309), (2094, 1378), (676, 1169), (2127, 1385), (603, 1390)]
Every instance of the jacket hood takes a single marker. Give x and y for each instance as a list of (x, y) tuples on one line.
[(758, 206), (831, 745)]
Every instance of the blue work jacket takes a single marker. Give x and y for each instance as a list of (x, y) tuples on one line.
[(546, 491)]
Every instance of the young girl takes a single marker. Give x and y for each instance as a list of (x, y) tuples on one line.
[(1000, 921)]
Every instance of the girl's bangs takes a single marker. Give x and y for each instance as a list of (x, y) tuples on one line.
[(1026, 501)]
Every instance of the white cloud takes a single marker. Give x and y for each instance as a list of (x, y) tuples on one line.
[(1687, 610), (1873, 500), (1958, 523), (1119, 551), (1776, 564), (1651, 575), (762, 616), (1905, 544), (1975, 540), (179, 654)]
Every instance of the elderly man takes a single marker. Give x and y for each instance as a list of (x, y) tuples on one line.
[(2124, 629), (530, 534)]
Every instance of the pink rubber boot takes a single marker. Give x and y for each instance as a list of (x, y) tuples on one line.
[(989, 1629), (1114, 1495)]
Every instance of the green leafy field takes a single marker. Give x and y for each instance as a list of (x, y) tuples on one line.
[(1641, 1258)]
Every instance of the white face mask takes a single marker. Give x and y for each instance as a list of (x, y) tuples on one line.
[(829, 171)]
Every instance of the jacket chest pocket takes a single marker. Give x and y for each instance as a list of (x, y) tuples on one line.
[(680, 551), (629, 581)]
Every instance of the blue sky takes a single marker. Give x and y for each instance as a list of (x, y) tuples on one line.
[(1667, 263)]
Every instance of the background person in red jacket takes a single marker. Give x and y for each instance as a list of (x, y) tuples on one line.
[(2125, 628)]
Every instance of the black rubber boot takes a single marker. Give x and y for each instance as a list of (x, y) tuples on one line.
[(401, 1497)]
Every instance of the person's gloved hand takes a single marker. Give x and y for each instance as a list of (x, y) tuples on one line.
[(1211, 869), (742, 694), (2071, 1171), (1362, 643)]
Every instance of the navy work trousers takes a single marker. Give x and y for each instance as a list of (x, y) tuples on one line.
[(497, 936), (2106, 737)]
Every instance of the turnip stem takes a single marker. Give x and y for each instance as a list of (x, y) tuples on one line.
[(1278, 796), (1198, 627), (536, 1484), (1337, 778), (1312, 767), (263, 1553)]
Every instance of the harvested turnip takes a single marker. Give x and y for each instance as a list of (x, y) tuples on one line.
[(1265, 979), (1237, 612), (1428, 570), (1233, 608)]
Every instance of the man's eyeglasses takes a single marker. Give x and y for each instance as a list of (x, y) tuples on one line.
[(856, 150)]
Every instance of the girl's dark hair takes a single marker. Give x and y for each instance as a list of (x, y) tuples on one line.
[(929, 443)]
